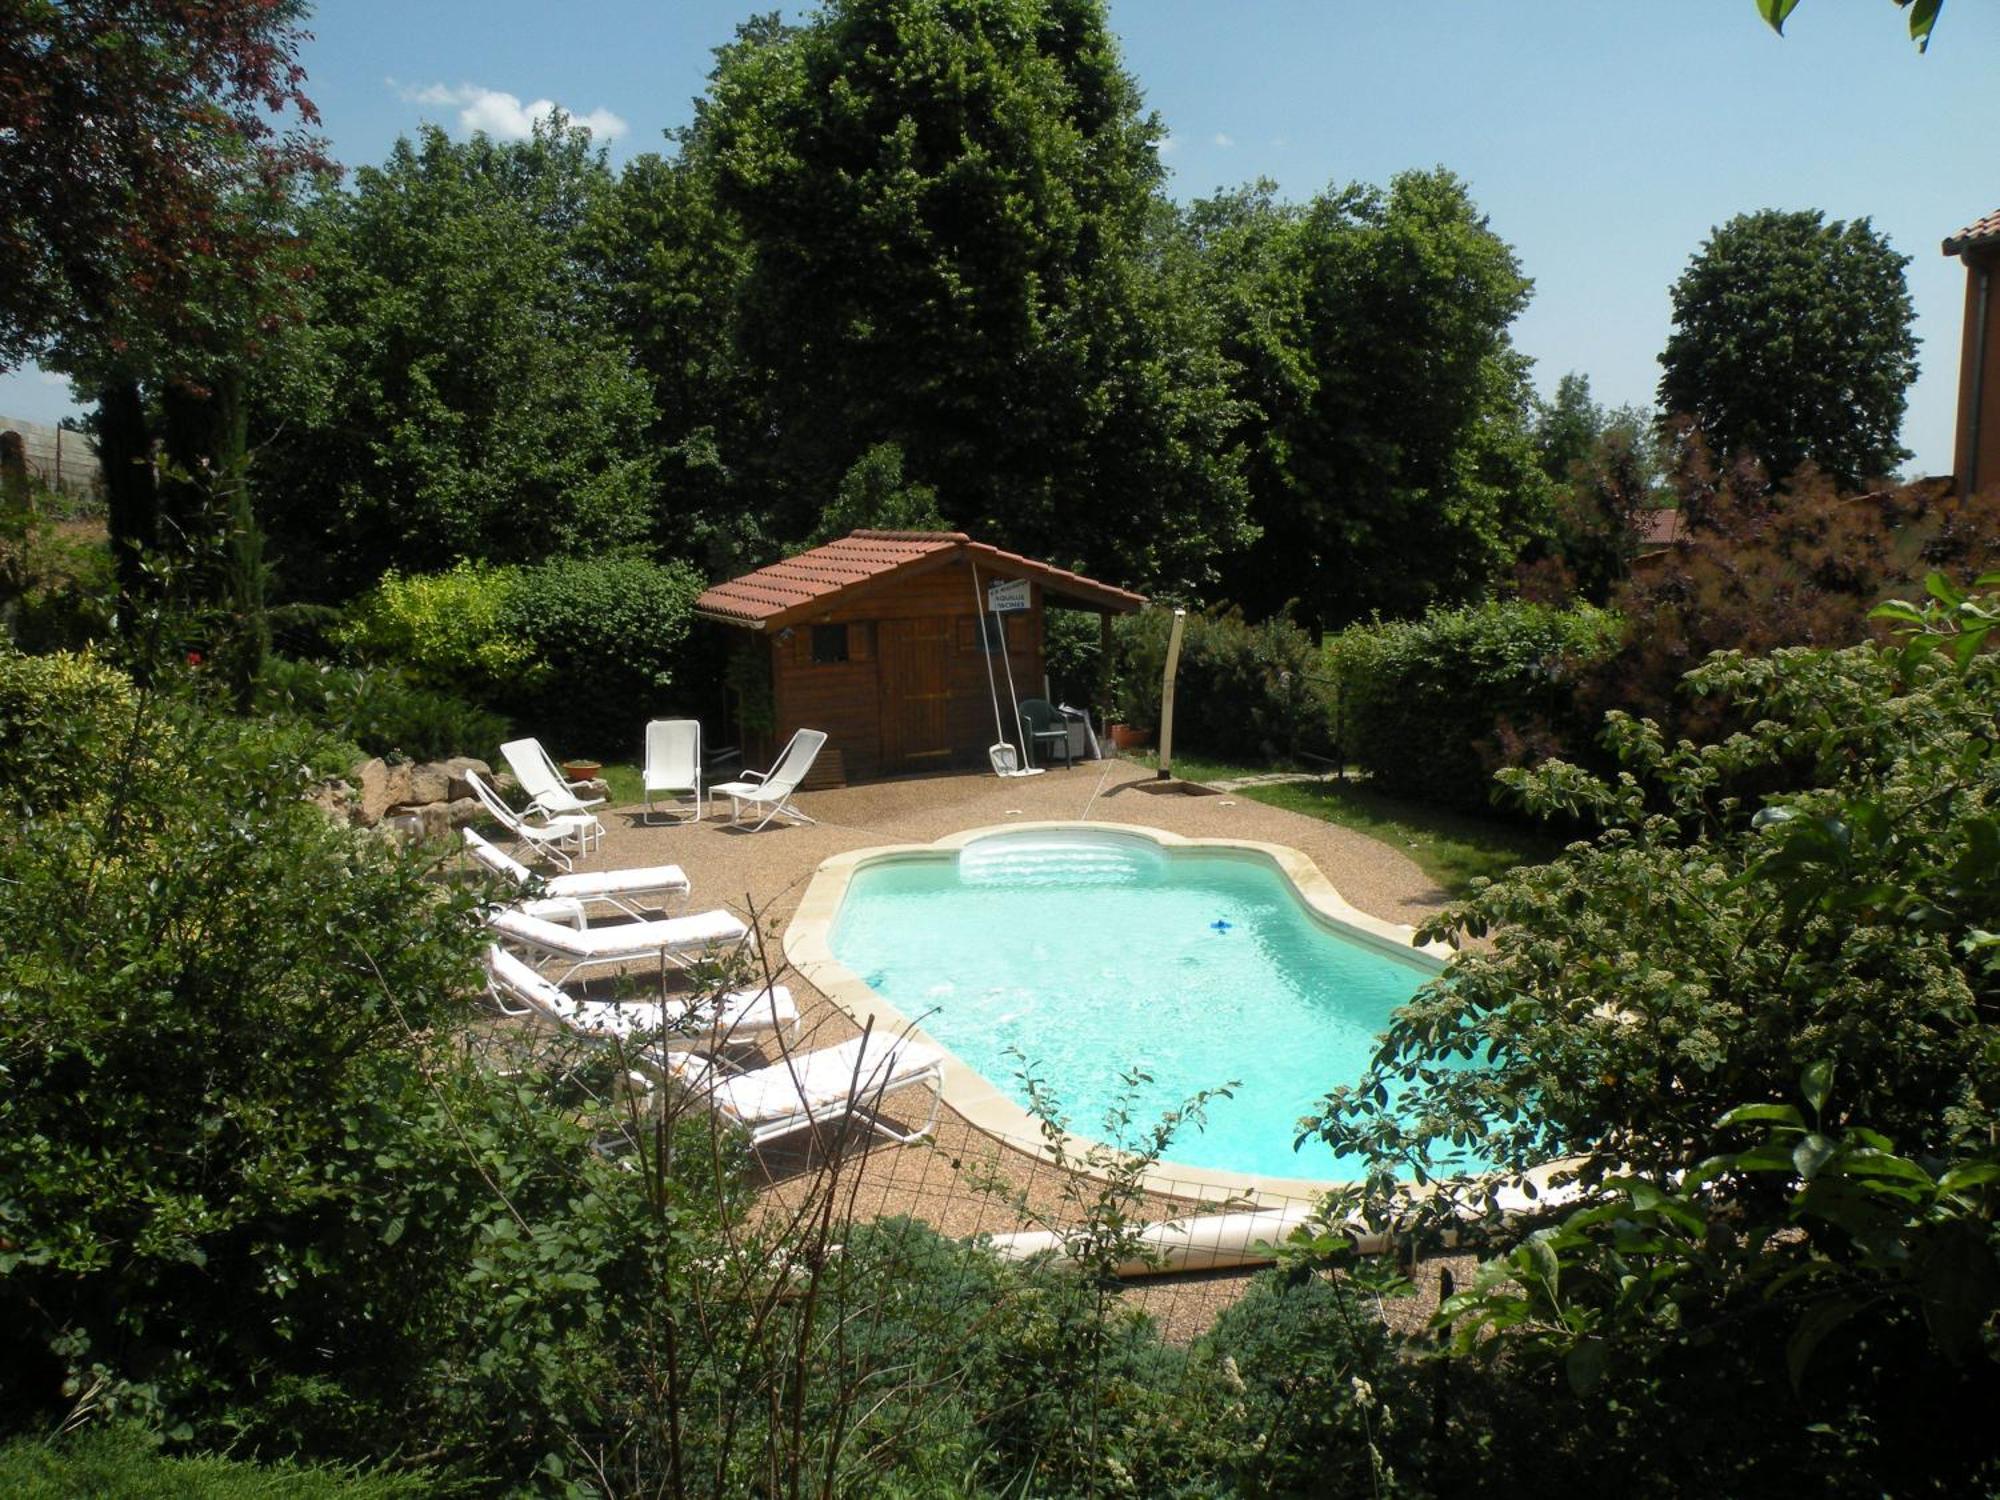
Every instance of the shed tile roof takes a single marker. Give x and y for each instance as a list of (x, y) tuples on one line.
[(1979, 232), (1658, 528), (811, 581)]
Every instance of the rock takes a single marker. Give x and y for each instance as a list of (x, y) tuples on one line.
[(335, 798), (455, 770), (463, 812), (429, 782), (399, 784), (436, 817), (596, 787), (372, 776)]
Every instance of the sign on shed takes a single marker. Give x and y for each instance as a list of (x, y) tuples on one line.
[(1006, 596)]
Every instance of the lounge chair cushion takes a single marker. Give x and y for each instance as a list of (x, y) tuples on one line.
[(703, 929), (806, 1081), (735, 1010)]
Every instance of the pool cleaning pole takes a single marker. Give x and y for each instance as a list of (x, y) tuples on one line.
[(1167, 697)]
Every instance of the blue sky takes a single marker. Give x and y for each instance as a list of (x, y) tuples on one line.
[(1604, 141)]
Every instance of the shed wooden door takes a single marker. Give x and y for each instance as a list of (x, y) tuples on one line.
[(916, 693)]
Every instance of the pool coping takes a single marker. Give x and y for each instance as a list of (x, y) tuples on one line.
[(983, 1105)]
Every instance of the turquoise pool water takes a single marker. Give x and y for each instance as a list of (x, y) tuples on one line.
[(1090, 953)]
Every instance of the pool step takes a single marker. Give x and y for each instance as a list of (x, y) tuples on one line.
[(1059, 861)]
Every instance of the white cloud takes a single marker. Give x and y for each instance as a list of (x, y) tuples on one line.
[(1169, 145), (503, 115), (1224, 140)]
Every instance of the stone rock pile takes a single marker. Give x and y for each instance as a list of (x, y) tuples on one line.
[(434, 793)]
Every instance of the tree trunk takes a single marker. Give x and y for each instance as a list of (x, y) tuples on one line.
[(132, 496)]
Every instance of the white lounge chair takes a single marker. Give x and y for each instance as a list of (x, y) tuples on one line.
[(673, 763), (549, 793), (623, 889), (772, 789), (845, 1081), (678, 940), (547, 838), (714, 1019)]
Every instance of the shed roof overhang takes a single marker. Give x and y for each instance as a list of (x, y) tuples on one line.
[(812, 583), (1979, 235)]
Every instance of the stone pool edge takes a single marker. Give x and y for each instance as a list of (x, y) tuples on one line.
[(807, 948)]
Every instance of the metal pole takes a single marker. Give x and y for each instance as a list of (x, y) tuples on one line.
[(1167, 697)]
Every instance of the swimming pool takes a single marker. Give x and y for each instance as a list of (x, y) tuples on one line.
[(1090, 951)]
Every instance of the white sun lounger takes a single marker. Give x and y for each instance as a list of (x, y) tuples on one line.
[(677, 940), (622, 889), (548, 838), (772, 790), (714, 1019), (845, 1081), (549, 792)]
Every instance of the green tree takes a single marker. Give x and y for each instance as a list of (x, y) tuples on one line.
[(1383, 407), (462, 393), (1792, 343), (937, 222)]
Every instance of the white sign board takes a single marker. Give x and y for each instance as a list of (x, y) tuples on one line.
[(1007, 596)]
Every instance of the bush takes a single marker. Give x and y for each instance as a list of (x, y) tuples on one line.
[(256, 1190), (606, 636), (1244, 692), (63, 719), (444, 629), (1433, 707), (378, 711), (1317, 1372), (583, 648)]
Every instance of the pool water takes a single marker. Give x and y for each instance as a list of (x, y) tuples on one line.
[(1090, 954)]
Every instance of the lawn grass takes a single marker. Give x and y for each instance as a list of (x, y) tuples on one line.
[(626, 784), (1451, 847)]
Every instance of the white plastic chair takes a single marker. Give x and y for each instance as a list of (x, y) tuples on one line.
[(673, 764), (547, 839), (773, 789), (845, 1081), (548, 792), (623, 889)]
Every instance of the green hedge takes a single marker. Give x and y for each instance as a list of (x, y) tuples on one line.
[(1433, 707), (581, 649), (378, 711), (1243, 691), (63, 719)]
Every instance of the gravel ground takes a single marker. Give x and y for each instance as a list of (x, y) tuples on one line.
[(762, 875)]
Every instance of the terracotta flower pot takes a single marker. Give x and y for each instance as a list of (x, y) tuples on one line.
[(1130, 736), (583, 770)]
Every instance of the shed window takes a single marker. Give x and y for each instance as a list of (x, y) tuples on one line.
[(829, 644)]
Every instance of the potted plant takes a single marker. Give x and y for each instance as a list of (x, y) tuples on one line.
[(583, 770)]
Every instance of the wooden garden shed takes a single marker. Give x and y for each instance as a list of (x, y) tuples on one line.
[(881, 639)]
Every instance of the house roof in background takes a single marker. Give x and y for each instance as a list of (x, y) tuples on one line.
[(810, 583), (1979, 232), (1658, 528)]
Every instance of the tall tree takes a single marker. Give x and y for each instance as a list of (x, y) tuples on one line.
[(150, 149), (1385, 410), (464, 394), (129, 130), (1792, 343), (944, 210)]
